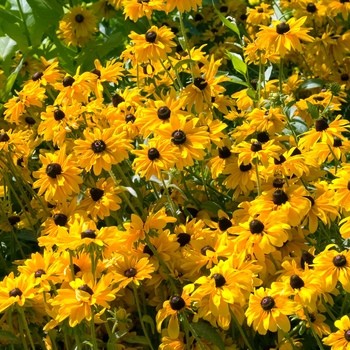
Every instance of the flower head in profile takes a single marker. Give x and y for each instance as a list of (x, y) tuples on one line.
[(153, 45), (284, 36)]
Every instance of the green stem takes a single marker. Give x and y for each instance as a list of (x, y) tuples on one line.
[(20, 310), (171, 203), (188, 192), (39, 339), (71, 264), (177, 74), (92, 328), (319, 343), (344, 306), (286, 335), (336, 161), (281, 75), (20, 323), (187, 48), (241, 330), (10, 324), (190, 328), (24, 23), (77, 339), (170, 76), (140, 316)]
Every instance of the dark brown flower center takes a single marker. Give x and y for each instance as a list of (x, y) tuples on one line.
[(312, 317), (117, 99), (151, 37), (307, 258), (339, 260), (256, 146), (37, 76), (176, 302), (153, 154), (219, 280), (223, 9), (244, 168), (15, 292), (147, 250), (279, 161), (4, 137), (76, 269), (344, 77), (178, 137), (282, 28), (96, 72), (68, 81), (96, 194), (295, 152), (200, 83), (337, 142), (263, 137), (310, 7), (53, 169), (278, 183), (224, 152), (205, 249), (349, 185), (267, 303), (39, 273), (198, 17), (321, 124), (183, 239), (311, 200), (347, 335), (279, 197), (88, 234), (98, 146), (224, 223), (256, 226), (164, 113), (58, 114), (13, 220), (260, 10), (130, 118), (296, 282), (129, 273), (79, 18), (29, 120), (86, 288), (60, 219)]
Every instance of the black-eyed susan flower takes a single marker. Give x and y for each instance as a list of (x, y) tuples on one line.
[(159, 155), (190, 140), (59, 177), (154, 45), (77, 26), (102, 199), (75, 302), (339, 340), (182, 5), (268, 310), (270, 120), (130, 269), (260, 14), (333, 266), (342, 187), (173, 307), (340, 6), (284, 36), (17, 290), (101, 149), (135, 9)]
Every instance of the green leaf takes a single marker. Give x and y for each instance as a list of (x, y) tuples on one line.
[(227, 23), (26, 235), (238, 63), (312, 110), (7, 50), (15, 32), (206, 331), (181, 63), (135, 339), (148, 319), (237, 80), (311, 84), (9, 336), (211, 206), (252, 94), (299, 125)]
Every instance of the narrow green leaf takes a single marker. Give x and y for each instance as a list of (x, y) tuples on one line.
[(211, 206), (238, 63), (206, 331), (148, 319), (9, 336), (227, 23), (135, 339), (312, 110), (252, 94), (311, 84), (181, 63), (237, 80)]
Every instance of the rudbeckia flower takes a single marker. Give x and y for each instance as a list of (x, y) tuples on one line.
[(59, 177), (182, 5), (101, 149), (268, 310), (339, 340), (153, 45), (135, 9), (173, 307), (284, 36)]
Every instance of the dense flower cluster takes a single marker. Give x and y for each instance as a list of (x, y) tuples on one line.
[(193, 193)]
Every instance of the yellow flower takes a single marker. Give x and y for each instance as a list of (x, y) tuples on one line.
[(153, 45), (339, 340), (135, 9), (268, 310), (284, 36), (182, 5), (59, 177)]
